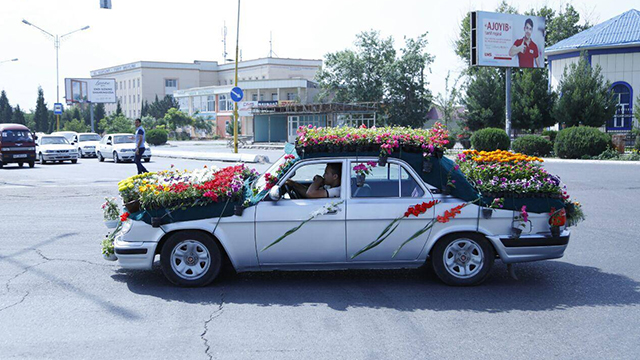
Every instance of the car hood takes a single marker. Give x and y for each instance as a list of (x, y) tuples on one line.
[(124, 146), (88, 143), (57, 147)]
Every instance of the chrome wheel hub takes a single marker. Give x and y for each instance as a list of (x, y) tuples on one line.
[(463, 258), (190, 259)]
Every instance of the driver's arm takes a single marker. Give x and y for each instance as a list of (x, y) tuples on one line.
[(298, 188), (316, 189)]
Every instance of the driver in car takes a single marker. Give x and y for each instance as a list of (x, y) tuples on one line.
[(326, 186)]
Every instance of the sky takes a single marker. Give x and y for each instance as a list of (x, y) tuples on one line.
[(188, 30)]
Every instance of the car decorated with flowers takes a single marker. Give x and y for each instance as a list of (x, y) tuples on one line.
[(399, 203)]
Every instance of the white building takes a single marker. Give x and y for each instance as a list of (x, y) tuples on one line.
[(144, 80), (614, 45)]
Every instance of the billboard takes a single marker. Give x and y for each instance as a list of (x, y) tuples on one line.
[(90, 90), (507, 40)]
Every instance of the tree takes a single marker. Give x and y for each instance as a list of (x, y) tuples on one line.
[(6, 112), (98, 113), (585, 96), (229, 127), (159, 108), (447, 103), (144, 109), (532, 103), (119, 109), (76, 125), (358, 75), (18, 116), (409, 100), (175, 118), (113, 124), (41, 116), (484, 100)]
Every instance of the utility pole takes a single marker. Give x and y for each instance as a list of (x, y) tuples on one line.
[(224, 42), (235, 106), (56, 43)]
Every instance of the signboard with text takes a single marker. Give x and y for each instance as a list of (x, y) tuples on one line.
[(90, 90), (507, 40)]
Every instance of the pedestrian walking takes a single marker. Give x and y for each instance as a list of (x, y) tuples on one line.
[(140, 139)]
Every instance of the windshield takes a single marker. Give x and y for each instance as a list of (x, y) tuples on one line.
[(58, 140), (89, 137), (16, 136), (124, 139)]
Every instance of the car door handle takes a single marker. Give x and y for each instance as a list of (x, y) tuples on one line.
[(332, 212)]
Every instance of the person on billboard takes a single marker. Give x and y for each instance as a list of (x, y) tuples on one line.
[(525, 48)]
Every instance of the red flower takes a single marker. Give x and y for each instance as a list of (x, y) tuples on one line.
[(418, 209), (124, 217), (450, 214)]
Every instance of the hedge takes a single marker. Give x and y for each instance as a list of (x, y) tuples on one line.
[(533, 145), (157, 136), (579, 142), (490, 139)]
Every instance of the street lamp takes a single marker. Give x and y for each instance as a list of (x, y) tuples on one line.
[(4, 61), (56, 43)]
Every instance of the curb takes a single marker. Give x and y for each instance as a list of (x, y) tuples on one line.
[(206, 156), (578, 161)]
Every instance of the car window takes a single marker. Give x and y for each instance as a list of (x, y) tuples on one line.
[(304, 174), (382, 181), (125, 139), (16, 136), (58, 140), (409, 187), (89, 137)]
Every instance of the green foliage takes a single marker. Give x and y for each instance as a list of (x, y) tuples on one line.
[(490, 139), (159, 108), (551, 134), (452, 142), (447, 103), (578, 142), (229, 127), (532, 103), (484, 100), (637, 144), (41, 116), (586, 98), (6, 112), (532, 145), (119, 109), (409, 100), (560, 25), (157, 136), (98, 113), (18, 116), (175, 118), (116, 124), (76, 125)]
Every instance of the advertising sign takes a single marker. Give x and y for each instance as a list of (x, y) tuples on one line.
[(244, 107), (507, 40), (90, 90)]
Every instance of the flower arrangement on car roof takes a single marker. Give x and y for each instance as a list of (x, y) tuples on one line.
[(173, 188), (384, 139)]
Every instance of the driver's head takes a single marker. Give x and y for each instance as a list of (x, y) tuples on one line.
[(332, 174)]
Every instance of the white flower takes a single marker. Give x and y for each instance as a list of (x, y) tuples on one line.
[(332, 206)]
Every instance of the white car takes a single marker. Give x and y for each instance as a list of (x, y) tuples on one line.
[(87, 144), (55, 148), (462, 251), (71, 136), (120, 147)]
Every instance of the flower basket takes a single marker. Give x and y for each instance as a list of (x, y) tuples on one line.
[(382, 160), (486, 213), (238, 210), (132, 206), (516, 232), (555, 231), (360, 180), (466, 143), (110, 257), (427, 165)]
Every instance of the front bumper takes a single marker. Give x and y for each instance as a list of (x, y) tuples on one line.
[(89, 153), (134, 255), (60, 157), (129, 156), (531, 247)]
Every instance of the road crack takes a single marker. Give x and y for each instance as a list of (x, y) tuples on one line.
[(213, 316), (8, 285)]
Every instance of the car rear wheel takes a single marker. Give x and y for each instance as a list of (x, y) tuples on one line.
[(32, 164), (100, 157), (191, 258), (462, 259), (80, 154), (74, 161), (42, 160), (1, 164), (147, 160), (116, 159)]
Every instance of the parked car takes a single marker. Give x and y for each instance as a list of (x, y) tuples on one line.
[(17, 145), (120, 147), (87, 144), (462, 252), (55, 148), (71, 136)]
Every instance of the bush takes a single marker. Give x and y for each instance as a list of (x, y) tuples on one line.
[(551, 134), (157, 136), (637, 146), (452, 142), (490, 139), (533, 145), (76, 125), (581, 142)]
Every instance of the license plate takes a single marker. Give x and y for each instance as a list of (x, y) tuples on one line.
[(17, 156)]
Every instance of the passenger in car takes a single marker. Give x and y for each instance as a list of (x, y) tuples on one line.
[(326, 186)]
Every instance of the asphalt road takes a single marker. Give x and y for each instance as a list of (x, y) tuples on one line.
[(60, 300)]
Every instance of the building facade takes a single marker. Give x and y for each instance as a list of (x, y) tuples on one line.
[(144, 80), (614, 45)]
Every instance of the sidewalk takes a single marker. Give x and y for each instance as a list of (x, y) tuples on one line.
[(210, 156)]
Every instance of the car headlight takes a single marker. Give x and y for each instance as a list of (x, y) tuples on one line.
[(49, 151), (4, 149), (126, 227), (32, 148)]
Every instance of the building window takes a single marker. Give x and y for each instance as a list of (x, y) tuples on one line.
[(138, 82), (223, 103), (138, 97), (211, 103), (254, 97), (624, 112), (116, 85), (263, 77), (171, 83), (274, 96), (183, 102), (261, 97), (291, 96), (197, 104)]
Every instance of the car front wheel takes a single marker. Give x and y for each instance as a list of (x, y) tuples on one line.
[(191, 258), (116, 159), (462, 259), (100, 157), (42, 160)]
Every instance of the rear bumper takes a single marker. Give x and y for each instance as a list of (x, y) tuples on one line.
[(9, 157), (531, 247)]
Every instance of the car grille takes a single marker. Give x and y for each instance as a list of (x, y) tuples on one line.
[(60, 151)]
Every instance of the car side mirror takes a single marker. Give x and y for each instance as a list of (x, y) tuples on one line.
[(274, 193), (108, 142)]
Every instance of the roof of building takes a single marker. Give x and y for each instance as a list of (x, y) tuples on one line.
[(620, 31), (317, 108)]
